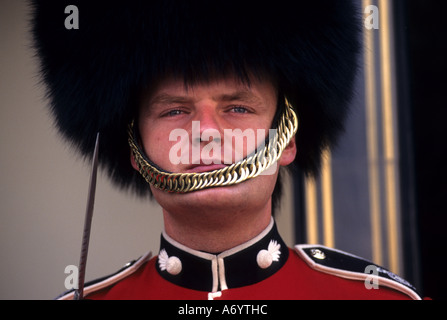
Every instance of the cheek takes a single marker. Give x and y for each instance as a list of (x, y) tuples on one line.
[(152, 141), (157, 145)]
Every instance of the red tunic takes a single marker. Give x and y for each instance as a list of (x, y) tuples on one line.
[(296, 280), (249, 272)]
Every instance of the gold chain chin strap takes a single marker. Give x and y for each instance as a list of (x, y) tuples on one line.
[(238, 172)]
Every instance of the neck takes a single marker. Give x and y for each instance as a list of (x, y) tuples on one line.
[(216, 231)]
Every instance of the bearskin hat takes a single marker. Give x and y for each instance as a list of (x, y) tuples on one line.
[(95, 73)]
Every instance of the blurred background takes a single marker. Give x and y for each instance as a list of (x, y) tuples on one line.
[(381, 194)]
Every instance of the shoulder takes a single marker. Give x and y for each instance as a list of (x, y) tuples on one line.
[(345, 265), (107, 281)]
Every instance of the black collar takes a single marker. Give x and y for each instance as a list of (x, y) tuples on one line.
[(246, 264)]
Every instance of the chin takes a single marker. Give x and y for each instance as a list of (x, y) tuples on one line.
[(246, 195), (214, 196)]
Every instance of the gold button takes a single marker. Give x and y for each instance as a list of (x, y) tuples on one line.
[(318, 254)]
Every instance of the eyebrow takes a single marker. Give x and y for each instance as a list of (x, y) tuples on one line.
[(165, 98), (239, 96)]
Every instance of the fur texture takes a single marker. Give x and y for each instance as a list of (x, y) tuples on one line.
[(94, 73)]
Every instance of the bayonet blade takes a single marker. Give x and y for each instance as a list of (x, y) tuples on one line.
[(79, 292)]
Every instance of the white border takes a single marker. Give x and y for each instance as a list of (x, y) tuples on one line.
[(111, 280), (350, 274)]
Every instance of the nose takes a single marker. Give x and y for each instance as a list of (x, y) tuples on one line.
[(206, 125), (206, 135)]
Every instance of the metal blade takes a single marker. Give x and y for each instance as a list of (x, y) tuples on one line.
[(79, 292)]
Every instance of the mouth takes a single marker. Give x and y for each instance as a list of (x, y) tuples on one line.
[(199, 168)]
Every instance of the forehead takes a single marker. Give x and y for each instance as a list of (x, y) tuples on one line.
[(229, 88)]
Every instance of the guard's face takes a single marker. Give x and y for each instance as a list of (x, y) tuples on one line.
[(206, 127)]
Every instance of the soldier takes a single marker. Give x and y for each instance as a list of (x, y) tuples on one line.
[(169, 85)]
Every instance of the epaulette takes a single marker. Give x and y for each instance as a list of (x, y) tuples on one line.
[(101, 283), (348, 266)]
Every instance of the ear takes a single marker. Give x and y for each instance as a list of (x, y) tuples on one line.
[(133, 162), (288, 154)]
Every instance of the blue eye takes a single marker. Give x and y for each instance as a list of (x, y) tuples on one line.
[(239, 109), (173, 113)]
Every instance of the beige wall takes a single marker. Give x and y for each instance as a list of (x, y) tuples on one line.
[(43, 187)]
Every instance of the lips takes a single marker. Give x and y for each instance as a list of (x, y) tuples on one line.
[(198, 168)]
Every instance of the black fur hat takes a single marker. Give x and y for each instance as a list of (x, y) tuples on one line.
[(94, 73)]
